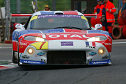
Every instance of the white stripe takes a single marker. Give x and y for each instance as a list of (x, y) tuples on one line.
[(9, 66), (90, 43), (5, 60), (119, 43), (5, 47)]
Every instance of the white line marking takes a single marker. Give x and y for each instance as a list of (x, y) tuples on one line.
[(119, 43), (5, 47), (6, 60)]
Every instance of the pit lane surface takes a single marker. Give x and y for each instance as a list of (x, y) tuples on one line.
[(115, 74)]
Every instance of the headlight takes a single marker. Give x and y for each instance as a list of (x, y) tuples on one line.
[(34, 38), (97, 38), (30, 50), (101, 51)]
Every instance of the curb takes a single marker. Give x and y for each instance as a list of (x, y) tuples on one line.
[(3, 67), (10, 66), (8, 41)]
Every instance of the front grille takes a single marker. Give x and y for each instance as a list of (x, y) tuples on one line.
[(66, 57)]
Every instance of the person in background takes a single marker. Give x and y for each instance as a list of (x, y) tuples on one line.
[(122, 14), (99, 7), (108, 18), (47, 8), (97, 10), (122, 8), (124, 5)]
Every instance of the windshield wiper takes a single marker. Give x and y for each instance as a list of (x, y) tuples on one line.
[(69, 27)]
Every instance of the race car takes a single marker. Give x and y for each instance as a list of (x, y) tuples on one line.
[(60, 38)]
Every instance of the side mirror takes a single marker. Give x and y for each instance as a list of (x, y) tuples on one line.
[(19, 26), (97, 27)]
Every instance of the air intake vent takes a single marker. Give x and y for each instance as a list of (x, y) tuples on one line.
[(66, 57)]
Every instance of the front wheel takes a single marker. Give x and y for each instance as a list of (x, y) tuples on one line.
[(15, 57)]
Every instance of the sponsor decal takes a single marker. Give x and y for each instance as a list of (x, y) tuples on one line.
[(108, 44), (31, 62), (100, 62), (53, 31), (41, 54), (105, 57), (25, 57), (90, 44), (23, 43), (50, 15), (64, 36), (40, 45), (67, 43), (98, 31), (92, 53)]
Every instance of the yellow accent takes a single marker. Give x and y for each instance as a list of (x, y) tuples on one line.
[(38, 44), (45, 46), (34, 17), (21, 46), (82, 17)]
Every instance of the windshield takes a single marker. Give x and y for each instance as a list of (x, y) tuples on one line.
[(58, 21)]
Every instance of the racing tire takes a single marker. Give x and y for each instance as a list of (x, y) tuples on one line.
[(124, 31), (14, 59), (117, 32)]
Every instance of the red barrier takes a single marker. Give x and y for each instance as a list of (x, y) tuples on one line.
[(20, 15), (124, 31), (90, 15), (95, 20)]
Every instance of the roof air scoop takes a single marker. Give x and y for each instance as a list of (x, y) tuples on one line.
[(58, 13)]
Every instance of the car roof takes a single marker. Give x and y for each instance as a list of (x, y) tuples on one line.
[(57, 13)]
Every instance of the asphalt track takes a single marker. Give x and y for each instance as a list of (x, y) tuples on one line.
[(115, 74)]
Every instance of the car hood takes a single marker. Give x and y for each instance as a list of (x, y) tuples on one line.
[(65, 33)]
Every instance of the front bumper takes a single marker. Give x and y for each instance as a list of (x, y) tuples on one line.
[(65, 52)]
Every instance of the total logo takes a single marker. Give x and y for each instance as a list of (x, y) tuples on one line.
[(64, 36)]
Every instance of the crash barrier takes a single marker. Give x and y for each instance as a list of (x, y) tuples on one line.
[(119, 32)]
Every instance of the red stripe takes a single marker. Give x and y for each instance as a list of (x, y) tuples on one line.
[(42, 44), (93, 44)]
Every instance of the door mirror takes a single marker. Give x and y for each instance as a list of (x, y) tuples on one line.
[(97, 27), (19, 26)]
